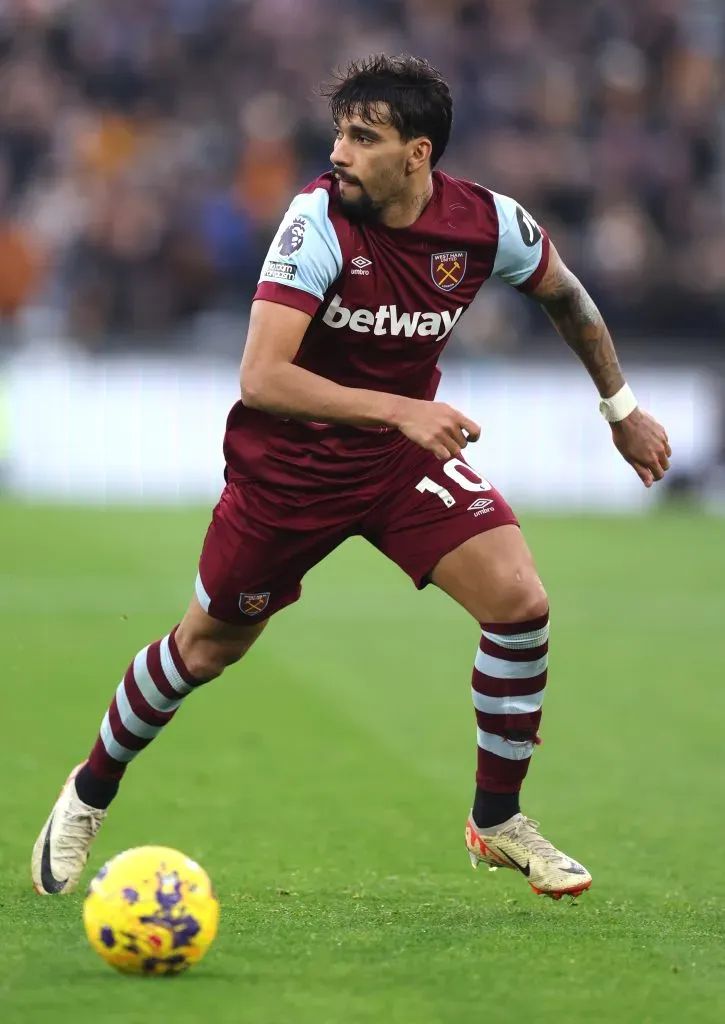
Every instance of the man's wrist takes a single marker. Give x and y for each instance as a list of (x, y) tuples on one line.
[(619, 406), (395, 410)]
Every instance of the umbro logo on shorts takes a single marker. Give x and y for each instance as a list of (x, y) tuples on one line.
[(481, 506)]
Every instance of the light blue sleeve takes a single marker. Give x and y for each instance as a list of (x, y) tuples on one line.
[(305, 253), (520, 242)]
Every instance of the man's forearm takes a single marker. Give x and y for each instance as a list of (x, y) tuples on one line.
[(577, 319), (290, 391)]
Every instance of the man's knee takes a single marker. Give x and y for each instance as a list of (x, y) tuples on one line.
[(493, 576), (518, 598), (205, 657), (527, 601)]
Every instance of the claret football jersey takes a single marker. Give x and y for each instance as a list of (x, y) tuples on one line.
[(384, 302)]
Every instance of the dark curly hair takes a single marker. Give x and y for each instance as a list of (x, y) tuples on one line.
[(415, 93)]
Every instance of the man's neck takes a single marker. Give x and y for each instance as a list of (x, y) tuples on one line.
[(405, 211)]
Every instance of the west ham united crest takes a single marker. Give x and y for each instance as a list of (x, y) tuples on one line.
[(253, 604), (447, 269)]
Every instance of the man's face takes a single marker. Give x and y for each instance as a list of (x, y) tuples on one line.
[(371, 164)]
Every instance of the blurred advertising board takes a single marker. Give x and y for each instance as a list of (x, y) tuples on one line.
[(139, 430)]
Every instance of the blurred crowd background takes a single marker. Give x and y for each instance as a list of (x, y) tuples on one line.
[(149, 147)]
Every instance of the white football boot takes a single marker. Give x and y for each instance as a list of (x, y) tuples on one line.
[(61, 850), (518, 844)]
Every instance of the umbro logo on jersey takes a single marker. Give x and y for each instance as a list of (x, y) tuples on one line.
[(361, 266), (387, 320)]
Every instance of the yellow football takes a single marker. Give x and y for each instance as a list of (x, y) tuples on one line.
[(151, 910)]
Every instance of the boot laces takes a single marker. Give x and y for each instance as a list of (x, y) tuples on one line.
[(526, 831), (79, 829)]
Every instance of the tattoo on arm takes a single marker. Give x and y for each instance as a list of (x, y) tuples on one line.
[(577, 319)]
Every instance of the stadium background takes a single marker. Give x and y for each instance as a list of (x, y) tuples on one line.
[(147, 151)]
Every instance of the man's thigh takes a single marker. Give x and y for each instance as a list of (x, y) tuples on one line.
[(253, 558), (431, 509)]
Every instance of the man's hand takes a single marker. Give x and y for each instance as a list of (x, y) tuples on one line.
[(437, 427), (642, 441)]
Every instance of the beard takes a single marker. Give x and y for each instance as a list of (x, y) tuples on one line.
[(361, 210)]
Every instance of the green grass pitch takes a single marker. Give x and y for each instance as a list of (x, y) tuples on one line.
[(324, 783)]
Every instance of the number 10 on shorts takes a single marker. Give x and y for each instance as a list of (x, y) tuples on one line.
[(460, 473), (426, 484)]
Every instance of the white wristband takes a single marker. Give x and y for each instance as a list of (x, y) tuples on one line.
[(619, 406)]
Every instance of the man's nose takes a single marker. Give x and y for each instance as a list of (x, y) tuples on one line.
[(340, 154)]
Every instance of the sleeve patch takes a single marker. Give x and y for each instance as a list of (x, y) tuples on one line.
[(276, 271), (291, 239), (305, 253), (520, 242), (530, 230)]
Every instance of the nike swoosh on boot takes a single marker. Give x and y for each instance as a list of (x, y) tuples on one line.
[(50, 882)]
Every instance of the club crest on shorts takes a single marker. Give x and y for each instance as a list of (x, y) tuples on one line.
[(253, 604), (448, 269)]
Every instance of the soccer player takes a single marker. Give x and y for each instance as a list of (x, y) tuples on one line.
[(338, 433)]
